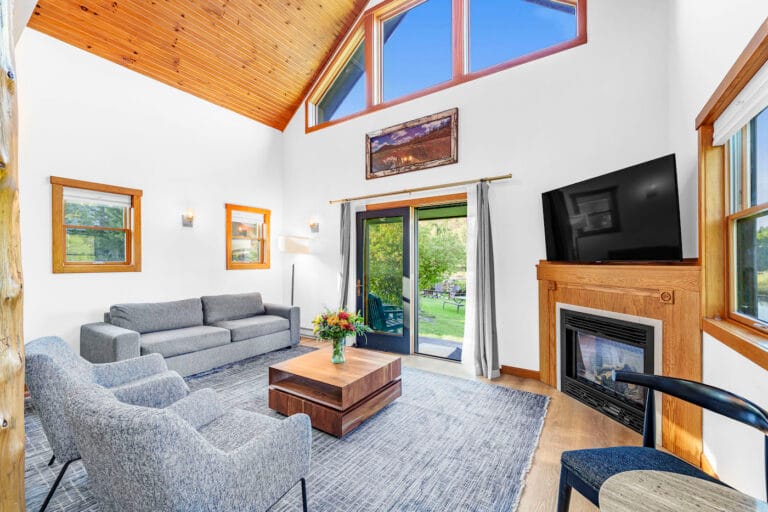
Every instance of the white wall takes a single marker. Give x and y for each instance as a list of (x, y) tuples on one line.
[(22, 11), (83, 117), (567, 117), (706, 37), (735, 450)]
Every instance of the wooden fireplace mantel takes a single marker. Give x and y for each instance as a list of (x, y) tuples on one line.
[(666, 292)]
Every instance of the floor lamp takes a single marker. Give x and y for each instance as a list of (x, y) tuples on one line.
[(293, 245)]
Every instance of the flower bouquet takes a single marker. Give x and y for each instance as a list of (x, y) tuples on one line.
[(336, 326)]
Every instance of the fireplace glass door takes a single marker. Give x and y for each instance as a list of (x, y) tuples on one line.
[(597, 357), (592, 347)]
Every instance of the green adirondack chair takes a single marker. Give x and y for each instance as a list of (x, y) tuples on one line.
[(383, 317)]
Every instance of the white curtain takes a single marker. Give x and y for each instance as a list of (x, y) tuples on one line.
[(468, 347), (345, 236), (480, 351), (486, 338)]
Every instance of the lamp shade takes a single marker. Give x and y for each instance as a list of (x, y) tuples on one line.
[(293, 244)]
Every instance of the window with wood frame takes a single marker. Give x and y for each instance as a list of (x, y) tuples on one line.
[(247, 237), (747, 163), (345, 95), (733, 204), (403, 49), (96, 227)]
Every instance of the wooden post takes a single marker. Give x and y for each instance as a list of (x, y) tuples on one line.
[(11, 338)]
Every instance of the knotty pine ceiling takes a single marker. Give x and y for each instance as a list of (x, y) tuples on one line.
[(255, 57)]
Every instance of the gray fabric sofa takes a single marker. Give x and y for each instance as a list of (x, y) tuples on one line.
[(193, 455), (193, 335)]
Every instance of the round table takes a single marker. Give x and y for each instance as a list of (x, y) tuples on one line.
[(659, 491)]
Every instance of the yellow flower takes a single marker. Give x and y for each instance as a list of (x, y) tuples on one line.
[(318, 320), (333, 320)]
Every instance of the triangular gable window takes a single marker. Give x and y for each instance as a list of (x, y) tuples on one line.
[(402, 49)]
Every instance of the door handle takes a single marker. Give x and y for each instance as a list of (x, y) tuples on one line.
[(359, 287)]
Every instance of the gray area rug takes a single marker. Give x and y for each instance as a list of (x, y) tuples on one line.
[(447, 444)]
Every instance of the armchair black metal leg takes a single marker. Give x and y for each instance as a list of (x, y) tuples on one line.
[(304, 495), (564, 494), (55, 484), (53, 458)]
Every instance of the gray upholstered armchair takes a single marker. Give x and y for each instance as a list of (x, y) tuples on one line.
[(52, 368), (190, 456)]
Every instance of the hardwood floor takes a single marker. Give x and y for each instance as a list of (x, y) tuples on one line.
[(569, 425)]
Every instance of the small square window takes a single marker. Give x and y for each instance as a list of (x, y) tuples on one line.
[(247, 237), (96, 227)]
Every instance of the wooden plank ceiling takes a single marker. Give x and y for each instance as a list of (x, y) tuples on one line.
[(255, 57)]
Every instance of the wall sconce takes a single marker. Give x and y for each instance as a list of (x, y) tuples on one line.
[(314, 226), (188, 218)]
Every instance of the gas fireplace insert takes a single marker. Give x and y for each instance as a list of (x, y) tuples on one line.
[(591, 348)]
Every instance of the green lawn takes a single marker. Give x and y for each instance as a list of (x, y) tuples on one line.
[(440, 322)]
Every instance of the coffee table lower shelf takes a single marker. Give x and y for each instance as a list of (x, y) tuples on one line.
[(334, 421)]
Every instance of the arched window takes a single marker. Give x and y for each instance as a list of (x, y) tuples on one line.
[(402, 49)]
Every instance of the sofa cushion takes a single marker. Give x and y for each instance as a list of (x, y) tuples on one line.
[(231, 307), (182, 341), (157, 316), (255, 326)]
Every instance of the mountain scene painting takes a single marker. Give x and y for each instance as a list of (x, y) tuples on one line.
[(420, 144)]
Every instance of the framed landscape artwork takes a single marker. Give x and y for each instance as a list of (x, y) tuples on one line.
[(419, 144)]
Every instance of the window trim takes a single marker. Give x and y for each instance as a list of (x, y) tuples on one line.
[(369, 26), (714, 201), (234, 265), (58, 242)]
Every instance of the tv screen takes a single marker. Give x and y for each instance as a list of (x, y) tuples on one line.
[(628, 215)]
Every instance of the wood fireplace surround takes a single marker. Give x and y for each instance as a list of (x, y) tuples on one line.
[(667, 292)]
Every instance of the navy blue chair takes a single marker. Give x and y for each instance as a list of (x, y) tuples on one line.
[(586, 470)]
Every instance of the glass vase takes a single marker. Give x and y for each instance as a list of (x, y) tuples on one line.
[(338, 351)]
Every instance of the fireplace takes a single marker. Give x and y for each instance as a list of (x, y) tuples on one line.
[(591, 348)]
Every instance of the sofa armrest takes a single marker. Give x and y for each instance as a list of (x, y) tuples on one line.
[(157, 391), (105, 343), (127, 370), (199, 408), (292, 313)]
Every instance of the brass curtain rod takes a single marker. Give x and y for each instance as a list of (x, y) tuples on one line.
[(421, 189)]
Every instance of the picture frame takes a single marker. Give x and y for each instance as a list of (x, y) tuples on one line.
[(423, 143)]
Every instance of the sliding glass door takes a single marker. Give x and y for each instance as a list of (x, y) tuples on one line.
[(441, 280), (383, 278)]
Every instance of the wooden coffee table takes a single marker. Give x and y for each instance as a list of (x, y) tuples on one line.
[(337, 397)]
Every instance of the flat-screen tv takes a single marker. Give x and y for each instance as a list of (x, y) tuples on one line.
[(629, 215)]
